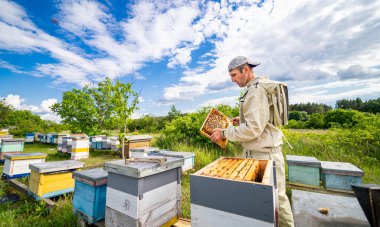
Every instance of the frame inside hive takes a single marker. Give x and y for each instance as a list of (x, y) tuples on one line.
[(215, 119), (241, 169)]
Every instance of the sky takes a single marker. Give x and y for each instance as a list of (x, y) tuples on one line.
[(177, 52)]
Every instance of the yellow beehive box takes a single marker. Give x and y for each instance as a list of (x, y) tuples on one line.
[(51, 179)]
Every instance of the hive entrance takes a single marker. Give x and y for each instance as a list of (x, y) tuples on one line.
[(237, 169)]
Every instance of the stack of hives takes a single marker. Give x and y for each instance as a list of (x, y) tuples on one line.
[(11, 146), (51, 179), (60, 141), (17, 165), (143, 193), (67, 144), (80, 147), (234, 192), (29, 137)]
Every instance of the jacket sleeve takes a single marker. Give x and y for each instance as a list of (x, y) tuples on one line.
[(256, 114)]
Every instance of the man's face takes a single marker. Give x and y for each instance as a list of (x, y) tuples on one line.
[(240, 78)]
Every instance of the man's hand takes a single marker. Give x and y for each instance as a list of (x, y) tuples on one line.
[(216, 135), (236, 121)]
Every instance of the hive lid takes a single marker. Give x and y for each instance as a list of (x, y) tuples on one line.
[(143, 149), (25, 156), (12, 140), (341, 168), (92, 175), (179, 154), (142, 169), (56, 166), (303, 160), (139, 137)]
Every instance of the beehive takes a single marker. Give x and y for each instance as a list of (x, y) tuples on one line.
[(303, 170), (42, 138), (234, 192), (60, 141), (29, 137), (51, 179), (11, 146), (114, 143), (340, 175), (17, 165), (67, 144), (97, 142), (189, 158), (215, 119), (136, 141), (89, 199), (143, 194), (80, 147), (5, 137)]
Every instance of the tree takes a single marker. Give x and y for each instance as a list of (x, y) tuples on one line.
[(5, 111), (92, 110), (124, 102), (173, 113)]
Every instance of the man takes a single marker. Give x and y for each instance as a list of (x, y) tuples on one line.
[(260, 139)]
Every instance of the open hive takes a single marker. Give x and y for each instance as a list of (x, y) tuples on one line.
[(215, 119), (234, 192)]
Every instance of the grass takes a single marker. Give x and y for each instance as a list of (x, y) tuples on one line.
[(325, 145)]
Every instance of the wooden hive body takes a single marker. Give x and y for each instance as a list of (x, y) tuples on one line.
[(136, 142), (89, 200), (51, 179), (17, 165), (340, 175), (234, 192), (303, 170), (80, 147), (143, 194)]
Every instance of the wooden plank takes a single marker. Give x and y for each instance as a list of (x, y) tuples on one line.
[(182, 223), (244, 171), (267, 172), (24, 189), (232, 169), (252, 172), (226, 168), (238, 169)]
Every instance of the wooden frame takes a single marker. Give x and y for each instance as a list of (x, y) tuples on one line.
[(219, 124)]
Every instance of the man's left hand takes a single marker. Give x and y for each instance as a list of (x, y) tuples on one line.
[(216, 135)]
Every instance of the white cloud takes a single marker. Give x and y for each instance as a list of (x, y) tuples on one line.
[(302, 41), (231, 101), (43, 110)]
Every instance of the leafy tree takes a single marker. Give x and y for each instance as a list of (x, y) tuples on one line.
[(341, 118), (92, 110), (5, 110), (298, 115), (310, 108), (173, 113), (124, 102), (316, 121)]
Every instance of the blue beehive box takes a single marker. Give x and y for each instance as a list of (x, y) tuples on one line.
[(89, 199), (303, 170), (340, 175)]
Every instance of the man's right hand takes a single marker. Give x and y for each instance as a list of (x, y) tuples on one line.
[(236, 121)]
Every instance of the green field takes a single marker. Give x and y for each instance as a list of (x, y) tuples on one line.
[(325, 145)]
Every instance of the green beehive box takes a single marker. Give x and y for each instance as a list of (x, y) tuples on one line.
[(303, 170)]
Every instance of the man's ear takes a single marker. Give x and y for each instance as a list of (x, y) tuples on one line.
[(246, 69)]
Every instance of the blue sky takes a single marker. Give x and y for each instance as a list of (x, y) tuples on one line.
[(177, 52)]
